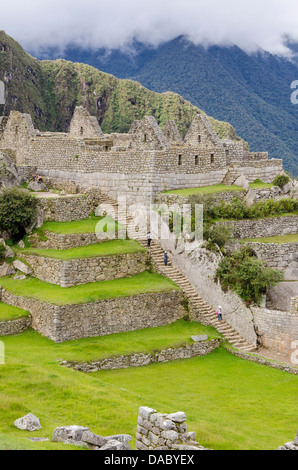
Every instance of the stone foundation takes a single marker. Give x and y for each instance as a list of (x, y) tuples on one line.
[(69, 322), (83, 271)]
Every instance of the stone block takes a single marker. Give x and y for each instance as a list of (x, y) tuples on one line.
[(28, 423)]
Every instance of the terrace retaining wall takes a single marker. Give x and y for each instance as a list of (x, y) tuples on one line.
[(261, 228), (67, 273), (104, 317), (14, 327), (140, 360)]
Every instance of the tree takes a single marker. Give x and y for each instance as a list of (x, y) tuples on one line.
[(18, 210)]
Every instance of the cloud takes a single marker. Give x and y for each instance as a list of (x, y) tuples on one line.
[(92, 24)]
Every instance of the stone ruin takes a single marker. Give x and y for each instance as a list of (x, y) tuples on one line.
[(157, 431)]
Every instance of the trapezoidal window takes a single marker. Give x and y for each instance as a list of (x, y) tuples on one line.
[(145, 137), (212, 157), (180, 160), (196, 160), (199, 139), (82, 131)]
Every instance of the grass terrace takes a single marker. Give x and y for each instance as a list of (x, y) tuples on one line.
[(144, 341), (218, 188), (108, 248), (87, 293), (81, 226), (258, 184), (8, 313), (279, 239), (229, 402)]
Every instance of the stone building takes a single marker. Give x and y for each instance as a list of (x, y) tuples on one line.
[(138, 164)]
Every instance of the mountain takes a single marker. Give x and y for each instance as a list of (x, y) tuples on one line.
[(49, 90), (252, 92)]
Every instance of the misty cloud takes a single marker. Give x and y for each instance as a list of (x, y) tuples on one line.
[(251, 24)]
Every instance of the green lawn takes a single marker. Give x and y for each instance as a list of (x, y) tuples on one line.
[(87, 293), (218, 188), (230, 403), (277, 239), (80, 226), (108, 248), (8, 313)]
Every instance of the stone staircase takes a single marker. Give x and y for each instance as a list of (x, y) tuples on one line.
[(199, 306)]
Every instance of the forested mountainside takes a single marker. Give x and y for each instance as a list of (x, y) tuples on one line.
[(49, 90), (252, 92)]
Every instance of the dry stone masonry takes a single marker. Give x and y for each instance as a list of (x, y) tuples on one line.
[(140, 360), (69, 322), (157, 431), (86, 270)]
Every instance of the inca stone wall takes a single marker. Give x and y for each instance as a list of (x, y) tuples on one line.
[(157, 431), (277, 256), (69, 208), (67, 273), (101, 318), (260, 228), (276, 329), (140, 360), (169, 199), (58, 241), (15, 327)]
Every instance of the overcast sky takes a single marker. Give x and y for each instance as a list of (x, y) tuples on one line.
[(250, 24)]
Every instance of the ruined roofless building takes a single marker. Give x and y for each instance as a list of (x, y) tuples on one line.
[(139, 164)]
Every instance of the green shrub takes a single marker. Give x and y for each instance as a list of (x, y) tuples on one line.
[(246, 275), (281, 180), (18, 210), (217, 234)]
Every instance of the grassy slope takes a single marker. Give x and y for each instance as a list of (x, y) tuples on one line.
[(125, 287), (278, 239), (108, 248), (242, 413), (8, 313), (80, 226)]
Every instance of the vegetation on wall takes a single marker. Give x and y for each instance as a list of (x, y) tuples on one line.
[(246, 275)]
